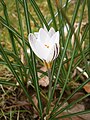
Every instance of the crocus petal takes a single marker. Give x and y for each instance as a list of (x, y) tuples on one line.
[(43, 36), (55, 38), (36, 34), (51, 54), (57, 48), (51, 32), (38, 48)]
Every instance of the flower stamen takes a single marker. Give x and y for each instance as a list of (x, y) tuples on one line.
[(47, 46)]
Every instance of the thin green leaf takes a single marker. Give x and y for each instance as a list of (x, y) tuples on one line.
[(35, 80), (32, 18), (88, 6), (15, 74), (10, 33), (39, 13), (5, 82), (78, 88), (68, 106), (75, 114), (3, 22), (52, 14)]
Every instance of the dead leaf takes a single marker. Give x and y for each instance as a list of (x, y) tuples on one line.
[(75, 97), (87, 87), (44, 81), (34, 98)]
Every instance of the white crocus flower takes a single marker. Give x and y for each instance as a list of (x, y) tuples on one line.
[(45, 44)]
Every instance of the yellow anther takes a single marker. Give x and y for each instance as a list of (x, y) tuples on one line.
[(47, 46)]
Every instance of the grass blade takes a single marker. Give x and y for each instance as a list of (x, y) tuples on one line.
[(52, 14), (75, 114), (10, 33), (39, 14), (88, 5), (35, 80), (15, 74)]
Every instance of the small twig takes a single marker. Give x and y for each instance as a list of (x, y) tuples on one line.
[(17, 105)]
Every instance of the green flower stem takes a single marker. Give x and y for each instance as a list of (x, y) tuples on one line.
[(49, 92), (50, 83), (49, 66)]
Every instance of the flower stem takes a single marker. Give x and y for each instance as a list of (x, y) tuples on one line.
[(49, 66), (50, 83), (49, 93)]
